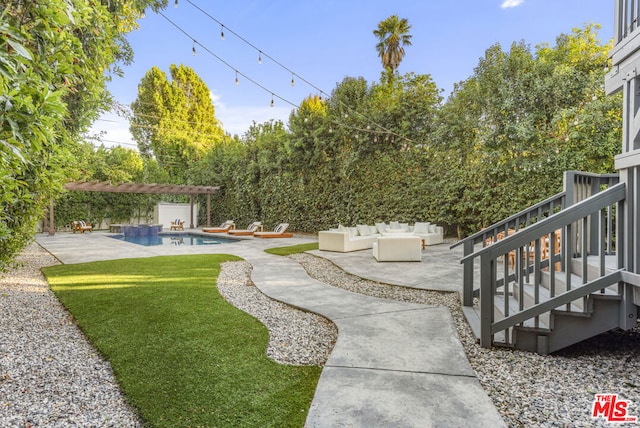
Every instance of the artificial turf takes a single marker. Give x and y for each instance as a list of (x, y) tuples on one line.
[(182, 355), (292, 249)]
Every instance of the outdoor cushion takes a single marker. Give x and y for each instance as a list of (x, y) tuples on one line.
[(381, 227), (363, 230), (421, 227)]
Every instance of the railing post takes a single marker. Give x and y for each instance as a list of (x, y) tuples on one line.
[(487, 278), (569, 188), (467, 275)]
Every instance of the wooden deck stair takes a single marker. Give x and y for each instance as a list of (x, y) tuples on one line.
[(558, 328)]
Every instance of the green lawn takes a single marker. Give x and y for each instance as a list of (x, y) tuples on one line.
[(292, 249), (182, 355)]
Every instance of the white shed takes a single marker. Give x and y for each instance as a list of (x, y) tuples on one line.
[(166, 212)]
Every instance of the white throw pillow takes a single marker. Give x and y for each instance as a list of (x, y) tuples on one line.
[(363, 230), (404, 226), (373, 230), (421, 227), (341, 228), (432, 228), (382, 227), (353, 231), (394, 225)]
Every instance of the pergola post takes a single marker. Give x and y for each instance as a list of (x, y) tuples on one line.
[(191, 200), (208, 209)]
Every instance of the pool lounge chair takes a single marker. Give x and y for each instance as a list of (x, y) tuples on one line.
[(224, 227), (81, 226), (177, 224), (256, 226), (278, 232)]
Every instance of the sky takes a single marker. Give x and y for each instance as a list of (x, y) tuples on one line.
[(317, 43)]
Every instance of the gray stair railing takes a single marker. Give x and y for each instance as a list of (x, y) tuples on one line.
[(578, 186), (525, 249), (492, 234)]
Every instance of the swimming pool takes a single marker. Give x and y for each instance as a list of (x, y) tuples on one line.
[(175, 239)]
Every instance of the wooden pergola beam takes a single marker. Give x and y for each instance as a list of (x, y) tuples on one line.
[(163, 189)]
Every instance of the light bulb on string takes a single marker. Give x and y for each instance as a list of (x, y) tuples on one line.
[(175, 4), (193, 49), (272, 103), (293, 83), (259, 57), (237, 81), (222, 32)]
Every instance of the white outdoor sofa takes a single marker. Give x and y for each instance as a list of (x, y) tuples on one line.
[(430, 233), (346, 239)]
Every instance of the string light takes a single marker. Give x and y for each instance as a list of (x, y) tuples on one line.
[(193, 49), (222, 32), (175, 4), (237, 81), (260, 54)]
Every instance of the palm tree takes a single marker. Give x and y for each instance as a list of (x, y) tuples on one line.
[(393, 35)]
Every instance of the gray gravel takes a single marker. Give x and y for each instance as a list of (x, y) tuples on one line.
[(295, 337), (51, 376)]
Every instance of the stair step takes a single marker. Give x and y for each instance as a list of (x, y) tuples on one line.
[(472, 315), (570, 328), (543, 295), (542, 321)]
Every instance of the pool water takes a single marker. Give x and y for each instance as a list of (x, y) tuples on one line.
[(174, 239)]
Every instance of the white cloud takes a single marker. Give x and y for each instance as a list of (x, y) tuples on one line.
[(238, 119), (511, 3), (112, 130)]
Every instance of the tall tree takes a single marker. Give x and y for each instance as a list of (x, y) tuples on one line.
[(393, 35), (524, 117), (174, 121)]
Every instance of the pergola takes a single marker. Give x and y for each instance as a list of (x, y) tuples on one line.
[(159, 189)]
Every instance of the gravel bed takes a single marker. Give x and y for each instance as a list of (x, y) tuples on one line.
[(295, 337), (50, 376)]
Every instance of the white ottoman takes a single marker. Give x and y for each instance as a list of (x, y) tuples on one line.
[(401, 248)]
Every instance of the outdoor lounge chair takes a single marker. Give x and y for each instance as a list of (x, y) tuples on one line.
[(177, 224), (256, 226), (224, 227), (81, 226), (278, 232)]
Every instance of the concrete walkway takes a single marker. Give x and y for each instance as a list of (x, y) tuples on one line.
[(395, 364)]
